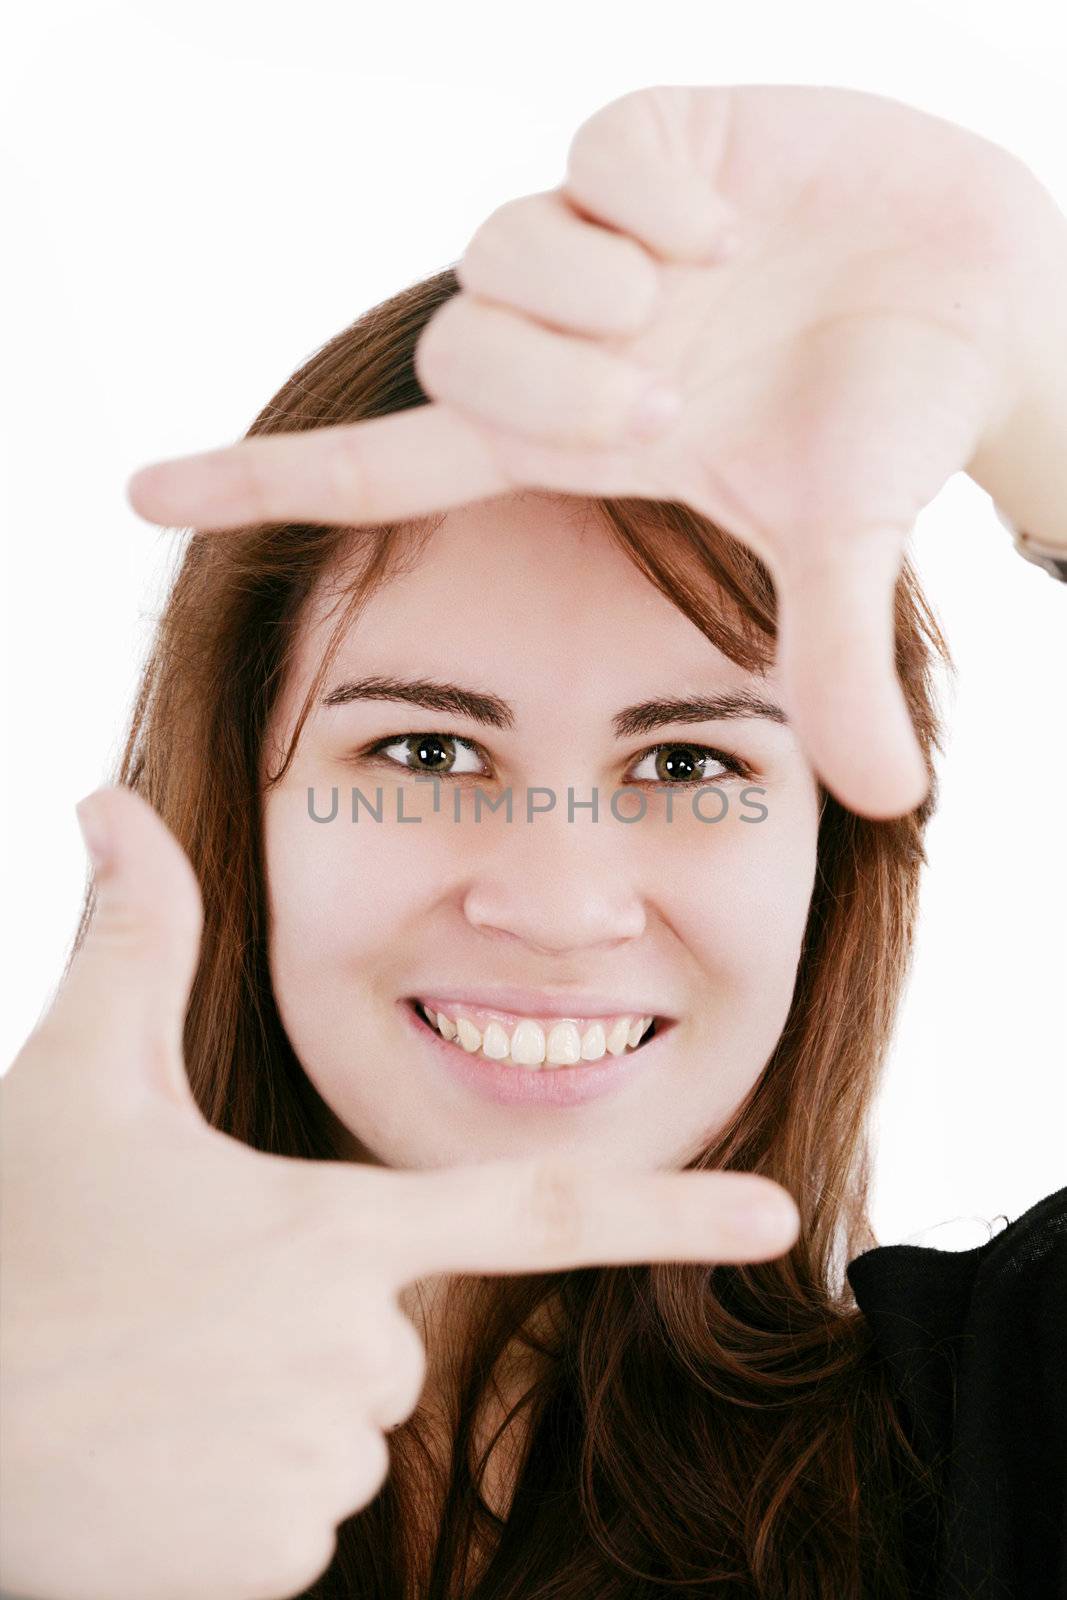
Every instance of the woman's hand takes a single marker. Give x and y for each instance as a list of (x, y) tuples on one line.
[(870, 332), (202, 1345)]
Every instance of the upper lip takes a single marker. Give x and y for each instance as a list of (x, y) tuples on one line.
[(542, 1003)]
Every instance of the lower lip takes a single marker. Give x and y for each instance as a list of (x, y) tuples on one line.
[(525, 1086)]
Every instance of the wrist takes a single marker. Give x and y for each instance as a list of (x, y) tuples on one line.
[(1024, 470), (1022, 462), (1053, 558)]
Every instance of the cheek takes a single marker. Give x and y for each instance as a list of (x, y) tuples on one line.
[(338, 891), (741, 906)]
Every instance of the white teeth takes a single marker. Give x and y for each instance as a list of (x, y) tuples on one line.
[(469, 1037), (528, 1044), (593, 1043), (617, 1038), (566, 1045), (495, 1043)]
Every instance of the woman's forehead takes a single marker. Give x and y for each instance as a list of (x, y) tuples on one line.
[(537, 560), (539, 548), (513, 591)]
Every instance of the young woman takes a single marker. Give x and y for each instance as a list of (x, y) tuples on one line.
[(621, 925)]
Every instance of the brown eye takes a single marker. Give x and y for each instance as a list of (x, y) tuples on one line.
[(434, 753), (680, 764)]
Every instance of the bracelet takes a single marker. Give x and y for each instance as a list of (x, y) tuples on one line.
[(1051, 558)]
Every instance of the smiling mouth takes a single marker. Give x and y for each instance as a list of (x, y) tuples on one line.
[(527, 1045)]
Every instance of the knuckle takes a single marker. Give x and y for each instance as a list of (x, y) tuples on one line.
[(323, 1209), (440, 344), (355, 1465), (496, 241), (152, 934), (400, 1373), (300, 1556), (355, 474), (634, 288), (535, 256), (348, 469), (600, 134), (378, 1348), (607, 399), (333, 1462), (253, 486), (408, 1356), (374, 1461), (638, 122), (365, 1474), (551, 1202)]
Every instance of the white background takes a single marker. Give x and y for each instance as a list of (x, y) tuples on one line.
[(196, 196)]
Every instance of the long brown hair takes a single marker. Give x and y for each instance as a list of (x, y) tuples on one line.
[(697, 1430)]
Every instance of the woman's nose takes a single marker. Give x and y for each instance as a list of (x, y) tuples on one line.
[(557, 894)]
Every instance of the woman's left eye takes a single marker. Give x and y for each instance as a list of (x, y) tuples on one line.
[(678, 764), (673, 765), (430, 747)]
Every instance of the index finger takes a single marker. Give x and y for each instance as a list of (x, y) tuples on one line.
[(408, 464), (509, 1216)]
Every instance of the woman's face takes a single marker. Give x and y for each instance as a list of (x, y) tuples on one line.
[(527, 603)]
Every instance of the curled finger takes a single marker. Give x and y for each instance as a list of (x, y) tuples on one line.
[(538, 256), (495, 365)]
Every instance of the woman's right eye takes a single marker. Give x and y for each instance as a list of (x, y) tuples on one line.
[(433, 753)]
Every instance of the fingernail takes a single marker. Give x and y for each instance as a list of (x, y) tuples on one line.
[(94, 831), (657, 408)]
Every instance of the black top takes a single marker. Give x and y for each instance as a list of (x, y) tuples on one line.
[(976, 1342)]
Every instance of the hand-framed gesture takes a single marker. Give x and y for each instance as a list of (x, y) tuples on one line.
[(849, 301), (799, 310)]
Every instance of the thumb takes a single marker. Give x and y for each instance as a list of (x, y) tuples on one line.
[(836, 659), (118, 1017)]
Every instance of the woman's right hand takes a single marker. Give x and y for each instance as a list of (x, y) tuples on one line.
[(201, 1345)]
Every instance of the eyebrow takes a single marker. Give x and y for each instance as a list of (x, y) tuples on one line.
[(494, 712)]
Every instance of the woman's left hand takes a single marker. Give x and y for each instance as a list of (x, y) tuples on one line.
[(871, 330)]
